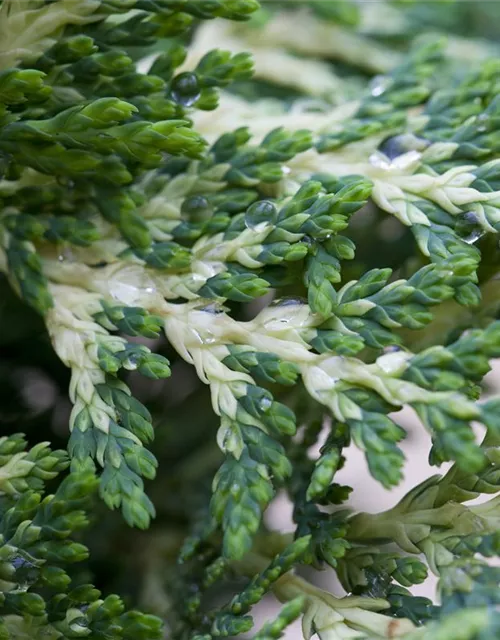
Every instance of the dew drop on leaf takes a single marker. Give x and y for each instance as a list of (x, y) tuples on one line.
[(133, 361), (213, 308), (406, 161), (18, 562), (288, 302), (123, 292), (469, 228), (483, 122), (185, 89), (379, 85), (473, 237), (395, 146), (66, 255), (392, 348), (235, 489), (265, 403), (260, 213), (131, 286), (196, 208)]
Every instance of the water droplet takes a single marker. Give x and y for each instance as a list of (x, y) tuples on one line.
[(469, 228), (288, 302), (185, 89), (18, 562), (26, 573), (265, 403), (379, 85), (196, 208), (66, 255), (394, 363), (78, 626), (235, 489), (395, 146), (401, 163), (392, 348), (133, 361), (213, 308), (473, 237), (129, 284), (482, 122), (198, 279), (407, 160), (123, 292), (260, 213), (203, 335), (379, 160)]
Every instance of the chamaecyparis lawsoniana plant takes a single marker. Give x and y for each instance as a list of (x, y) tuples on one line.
[(293, 209)]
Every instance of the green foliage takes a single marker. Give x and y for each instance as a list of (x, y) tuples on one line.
[(244, 262), (38, 548)]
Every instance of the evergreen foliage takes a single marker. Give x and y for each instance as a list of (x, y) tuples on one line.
[(307, 215)]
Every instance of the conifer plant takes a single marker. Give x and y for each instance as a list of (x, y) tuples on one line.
[(284, 218)]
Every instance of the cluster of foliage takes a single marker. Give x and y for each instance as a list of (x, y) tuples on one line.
[(306, 215)]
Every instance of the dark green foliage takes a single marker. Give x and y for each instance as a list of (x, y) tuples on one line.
[(38, 547)]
